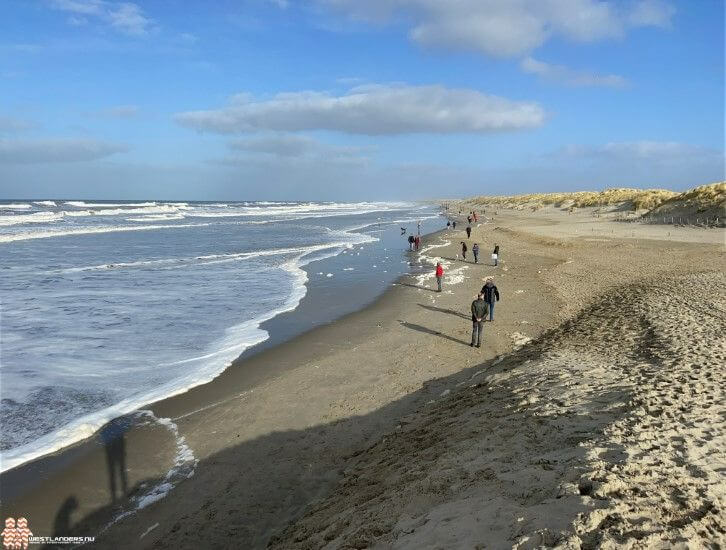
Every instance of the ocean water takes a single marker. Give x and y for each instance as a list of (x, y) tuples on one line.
[(105, 307)]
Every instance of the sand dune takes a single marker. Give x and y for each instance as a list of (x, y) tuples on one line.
[(706, 201), (607, 432)]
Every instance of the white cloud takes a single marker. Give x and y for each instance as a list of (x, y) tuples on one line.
[(292, 145), (371, 110), (10, 124), (570, 77), (508, 28), (656, 13), (640, 150), (56, 150), (125, 17)]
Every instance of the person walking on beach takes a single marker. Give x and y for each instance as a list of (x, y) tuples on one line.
[(411, 241), (479, 310), (464, 248), (453, 224), (468, 218), (418, 227), (495, 255), (491, 296), (475, 250), (474, 214), (439, 274), (468, 231), (448, 224), (417, 241)]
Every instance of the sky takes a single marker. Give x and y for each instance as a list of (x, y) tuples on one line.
[(357, 100)]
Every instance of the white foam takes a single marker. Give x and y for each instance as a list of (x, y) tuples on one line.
[(15, 206), (35, 217), (90, 230), (154, 217), (83, 204), (236, 339), (153, 209)]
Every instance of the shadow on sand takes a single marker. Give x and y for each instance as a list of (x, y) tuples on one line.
[(447, 311), (426, 330), (418, 286), (242, 496)]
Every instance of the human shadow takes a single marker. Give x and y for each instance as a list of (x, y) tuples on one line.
[(445, 310), (426, 330), (246, 495), (112, 437), (418, 286)]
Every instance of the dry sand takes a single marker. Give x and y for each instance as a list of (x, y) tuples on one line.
[(605, 432), (592, 416)]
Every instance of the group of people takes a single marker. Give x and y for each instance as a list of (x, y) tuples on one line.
[(483, 306), (480, 308), (475, 250), (414, 243)]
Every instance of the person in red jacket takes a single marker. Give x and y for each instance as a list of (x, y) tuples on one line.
[(439, 274)]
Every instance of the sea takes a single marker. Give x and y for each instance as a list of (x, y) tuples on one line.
[(108, 306)]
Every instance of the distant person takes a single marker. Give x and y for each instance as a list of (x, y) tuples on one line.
[(411, 241), (475, 250), (468, 218), (474, 214), (468, 231), (495, 255), (439, 274), (453, 224), (448, 224), (479, 310), (464, 248), (491, 296), (417, 242), (418, 227)]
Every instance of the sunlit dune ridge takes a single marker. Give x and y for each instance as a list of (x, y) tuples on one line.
[(702, 198)]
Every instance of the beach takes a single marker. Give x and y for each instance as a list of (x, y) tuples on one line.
[(592, 416)]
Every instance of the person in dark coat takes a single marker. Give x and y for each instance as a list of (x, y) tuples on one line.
[(479, 310), (491, 296), (468, 232), (464, 248), (496, 255)]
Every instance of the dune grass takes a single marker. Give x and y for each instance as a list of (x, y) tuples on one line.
[(704, 196)]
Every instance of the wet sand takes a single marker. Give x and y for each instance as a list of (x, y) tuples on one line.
[(328, 430)]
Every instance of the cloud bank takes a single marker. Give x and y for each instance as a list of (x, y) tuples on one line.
[(570, 77), (10, 125), (370, 110), (56, 150), (662, 151), (126, 17), (293, 146), (508, 28)]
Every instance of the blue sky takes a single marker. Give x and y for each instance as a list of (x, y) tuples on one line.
[(344, 99)]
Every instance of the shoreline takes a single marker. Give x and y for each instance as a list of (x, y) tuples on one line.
[(256, 365), (279, 326), (264, 452)]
